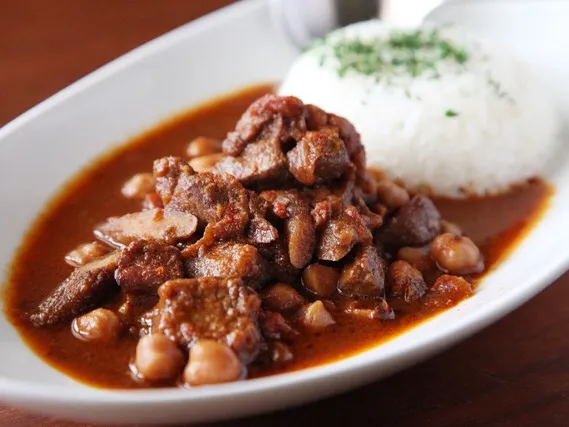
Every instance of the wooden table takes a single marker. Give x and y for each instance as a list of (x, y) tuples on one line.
[(515, 373)]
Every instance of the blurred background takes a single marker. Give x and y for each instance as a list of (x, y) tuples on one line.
[(47, 44)]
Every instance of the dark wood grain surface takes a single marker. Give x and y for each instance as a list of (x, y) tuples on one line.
[(515, 373)]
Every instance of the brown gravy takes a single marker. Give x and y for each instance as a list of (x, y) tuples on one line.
[(496, 224)]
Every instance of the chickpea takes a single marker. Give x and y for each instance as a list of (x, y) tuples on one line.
[(450, 227), (282, 298), (320, 279), (391, 194), (138, 186), (100, 325), (85, 253), (158, 358), (456, 254), (417, 257), (212, 363), (316, 316), (205, 163), (203, 146)]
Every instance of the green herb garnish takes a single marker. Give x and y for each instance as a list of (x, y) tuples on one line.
[(451, 113), (400, 53)]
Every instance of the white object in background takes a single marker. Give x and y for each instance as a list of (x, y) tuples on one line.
[(235, 47), (407, 13), (305, 20)]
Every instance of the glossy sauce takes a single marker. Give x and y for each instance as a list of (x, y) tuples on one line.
[(494, 223)]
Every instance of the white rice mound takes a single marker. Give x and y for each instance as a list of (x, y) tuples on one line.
[(504, 131)]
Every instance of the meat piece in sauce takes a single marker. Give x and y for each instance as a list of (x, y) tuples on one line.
[(318, 157), (281, 269), (167, 171), (257, 146), (341, 234), (407, 283), (300, 232), (364, 276), (219, 309), (218, 201), (230, 259), (144, 265), (83, 290), (415, 224), (262, 164), (157, 224), (273, 126), (275, 326), (270, 118), (317, 119), (260, 230)]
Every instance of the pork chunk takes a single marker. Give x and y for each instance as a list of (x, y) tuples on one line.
[(143, 266), (219, 309), (261, 164), (156, 224), (407, 283), (341, 234), (83, 290), (230, 259), (364, 276), (318, 157), (260, 231), (269, 118), (276, 253), (216, 200), (415, 224), (166, 171)]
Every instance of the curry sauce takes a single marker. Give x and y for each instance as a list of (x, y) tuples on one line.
[(496, 224)]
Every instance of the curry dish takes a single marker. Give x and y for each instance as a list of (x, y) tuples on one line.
[(195, 256)]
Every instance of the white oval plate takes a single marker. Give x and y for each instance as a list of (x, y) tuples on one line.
[(225, 51)]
